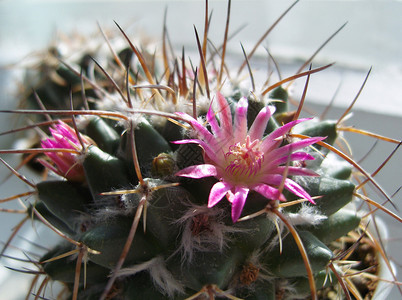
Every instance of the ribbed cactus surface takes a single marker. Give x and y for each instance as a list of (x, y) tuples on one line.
[(200, 220)]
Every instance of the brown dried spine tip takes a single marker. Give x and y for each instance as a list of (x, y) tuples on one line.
[(249, 274), (200, 224)]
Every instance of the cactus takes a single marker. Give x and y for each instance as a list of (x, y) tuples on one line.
[(168, 181)]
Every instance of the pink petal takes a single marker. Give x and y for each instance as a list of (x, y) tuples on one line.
[(58, 137), (270, 140), (296, 189), (238, 201), (211, 119), (211, 153), (294, 171), (48, 143), (224, 114), (218, 191), (298, 156), (290, 185), (198, 171), (260, 123), (68, 132), (221, 132), (292, 147), (240, 122), (202, 132), (64, 164), (187, 141), (271, 179), (52, 155), (268, 192)]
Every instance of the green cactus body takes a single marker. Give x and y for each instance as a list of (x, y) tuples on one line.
[(198, 246)]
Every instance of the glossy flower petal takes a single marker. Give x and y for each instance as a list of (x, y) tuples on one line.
[(260, 123), (238, 199), (242, 159), (218, 191), (268, 191), (198, 171)]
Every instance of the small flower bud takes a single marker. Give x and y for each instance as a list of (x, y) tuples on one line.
[(65, 164), (163, 165)]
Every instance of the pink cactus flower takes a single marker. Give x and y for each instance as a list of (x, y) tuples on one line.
[(244, 159), (65, 164)]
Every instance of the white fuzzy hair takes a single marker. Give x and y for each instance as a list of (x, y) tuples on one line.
[(214, 239), (307, 215), (160, 275)]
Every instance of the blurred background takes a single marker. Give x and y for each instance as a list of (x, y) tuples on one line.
[(371, 38)]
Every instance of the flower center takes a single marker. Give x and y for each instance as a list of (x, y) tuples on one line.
[(244, 159)]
